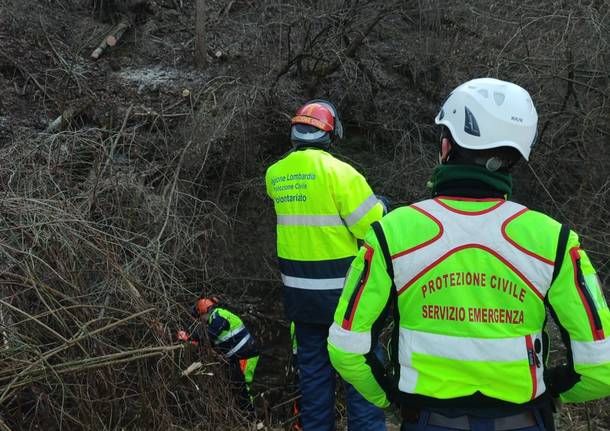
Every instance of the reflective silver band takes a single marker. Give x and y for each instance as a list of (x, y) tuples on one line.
[(309, 220), (238, 346), (229, 334), (463, 348), (313, 283), (349, 341), (591, 352), (362, 210)]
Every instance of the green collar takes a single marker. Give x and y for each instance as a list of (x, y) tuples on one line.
[(449, 179)]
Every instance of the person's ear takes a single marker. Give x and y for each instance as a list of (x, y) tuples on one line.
[(446, 147)]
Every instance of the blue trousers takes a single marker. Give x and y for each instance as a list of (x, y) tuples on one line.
[(476, 424), (317, 381)]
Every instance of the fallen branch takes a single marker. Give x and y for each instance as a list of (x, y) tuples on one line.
[(112, 38), (66, 116), (88, 364), (353, 46), (193, 367), (4, 426), (40, 364)]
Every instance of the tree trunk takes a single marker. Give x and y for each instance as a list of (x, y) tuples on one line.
[(201, 56)]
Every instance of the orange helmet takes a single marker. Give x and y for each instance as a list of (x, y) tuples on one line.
[(315, 114), (202, 306), (316, 122)]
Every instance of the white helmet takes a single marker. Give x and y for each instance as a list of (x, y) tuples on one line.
[(488, 113)]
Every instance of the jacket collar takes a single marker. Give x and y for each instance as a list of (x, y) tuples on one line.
[(470, 181)]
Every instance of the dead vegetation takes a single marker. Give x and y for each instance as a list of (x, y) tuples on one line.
[(131, 184)]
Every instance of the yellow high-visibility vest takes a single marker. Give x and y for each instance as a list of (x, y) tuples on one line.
[(323, 207)]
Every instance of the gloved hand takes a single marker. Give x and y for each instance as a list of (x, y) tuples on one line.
[(559, 379), (385, 203), (185, 337), (392, 414)]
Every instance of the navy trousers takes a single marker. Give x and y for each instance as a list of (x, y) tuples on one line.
[(476, 424), (317, 381)]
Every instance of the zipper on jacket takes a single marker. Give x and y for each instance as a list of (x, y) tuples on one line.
[(581, 285), (349, 312)]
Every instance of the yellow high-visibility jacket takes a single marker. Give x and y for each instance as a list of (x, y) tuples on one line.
[(323, 206), (471, 280)]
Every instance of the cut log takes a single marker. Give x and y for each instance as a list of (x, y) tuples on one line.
[(118, 32), (112, 38)]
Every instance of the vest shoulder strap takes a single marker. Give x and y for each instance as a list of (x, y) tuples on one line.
[(562, 243), (383, 243), (390, 380)]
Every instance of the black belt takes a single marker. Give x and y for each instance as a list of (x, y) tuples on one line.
[(514, 422)]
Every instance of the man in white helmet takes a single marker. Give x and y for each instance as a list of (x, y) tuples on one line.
[(471, 276)]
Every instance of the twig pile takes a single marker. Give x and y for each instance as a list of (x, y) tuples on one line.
[(93, 269)]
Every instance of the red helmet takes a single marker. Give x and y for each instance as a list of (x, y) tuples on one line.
[(316, 122), (202, 306), (315, 114)]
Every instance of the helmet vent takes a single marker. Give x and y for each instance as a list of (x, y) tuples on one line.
[(483, 92), (441, 114), (470, 123), (499, 98)]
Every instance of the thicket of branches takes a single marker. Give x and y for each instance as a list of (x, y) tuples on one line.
[(151, 192)]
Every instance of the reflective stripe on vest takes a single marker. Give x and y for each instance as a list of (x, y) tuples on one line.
[(309, 220), (224, 336), (238, 346), (328, 220), (457, 231), (485, 351), (227, 340), (313, 283), (314, 275), (487, 339)]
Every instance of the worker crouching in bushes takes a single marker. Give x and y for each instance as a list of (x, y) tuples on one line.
[(229, 336)]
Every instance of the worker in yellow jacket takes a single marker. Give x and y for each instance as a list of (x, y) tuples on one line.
[(470, 276), (229, 336), (323, 206)]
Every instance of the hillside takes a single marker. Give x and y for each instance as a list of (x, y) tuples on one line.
[(149, 190)]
